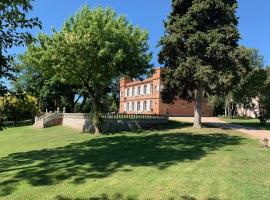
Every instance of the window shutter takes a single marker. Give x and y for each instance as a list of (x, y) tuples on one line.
[(148, 105), (142, 90), (125, 92), (125, 106), (135, 106), (148, 88), (130, 106)]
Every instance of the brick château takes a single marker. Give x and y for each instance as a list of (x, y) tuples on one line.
[(143, 97)]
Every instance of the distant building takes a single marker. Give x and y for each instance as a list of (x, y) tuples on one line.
[(143, 97), (253, 113)]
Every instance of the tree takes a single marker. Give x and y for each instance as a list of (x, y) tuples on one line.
[(17, 105), (253, 92), (199, 51), (51, 91), (13, 25), (13, 32), (93, 49), (245, 90)]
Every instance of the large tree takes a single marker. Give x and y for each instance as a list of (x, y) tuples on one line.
[(13, 25), (93, 49), (246, 88), (199, 50)]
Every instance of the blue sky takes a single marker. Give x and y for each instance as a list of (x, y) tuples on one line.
[(149, 14)]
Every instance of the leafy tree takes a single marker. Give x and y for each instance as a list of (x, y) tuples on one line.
[(254, 93), (13, 25), (18, 106), (245, 90), (199, 50), (93, 49), (12, 32)]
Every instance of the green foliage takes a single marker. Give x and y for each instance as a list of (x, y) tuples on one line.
[(198, 49), (13, 32), (93, 49), (217, 103), (253, 91), (51, 90), (18, 106)]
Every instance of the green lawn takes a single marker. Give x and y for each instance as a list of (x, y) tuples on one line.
[(177, 162), (248, 122)]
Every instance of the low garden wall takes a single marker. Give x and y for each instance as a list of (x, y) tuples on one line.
[(112, 122)]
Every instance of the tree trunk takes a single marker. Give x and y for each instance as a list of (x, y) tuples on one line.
[(96, 116), (198, 94)]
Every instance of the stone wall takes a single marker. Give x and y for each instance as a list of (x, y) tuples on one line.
[(81, 122)]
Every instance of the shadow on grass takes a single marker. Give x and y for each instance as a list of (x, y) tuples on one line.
[(255, 125), (118, 196), (103, 156), (163, 127)]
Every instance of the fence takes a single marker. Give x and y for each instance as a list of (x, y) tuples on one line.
[(113, 122), (134, 117), (118, 116)]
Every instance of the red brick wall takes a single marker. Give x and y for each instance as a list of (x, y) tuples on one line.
[(184, 108), (179, 108)]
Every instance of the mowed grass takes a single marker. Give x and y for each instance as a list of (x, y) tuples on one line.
[(173, 162), (248, 122)]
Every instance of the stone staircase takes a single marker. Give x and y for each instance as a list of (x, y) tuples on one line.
[(48, 119)]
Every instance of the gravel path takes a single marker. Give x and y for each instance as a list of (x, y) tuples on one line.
[(255, 133)]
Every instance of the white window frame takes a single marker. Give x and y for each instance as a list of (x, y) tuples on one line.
[(128, 106), (145, 89), (144, 105), (138, 106)]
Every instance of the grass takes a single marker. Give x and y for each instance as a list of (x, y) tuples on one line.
[(248, 122), (174, 162)]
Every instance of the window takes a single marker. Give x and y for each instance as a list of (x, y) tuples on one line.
[(127, 106), (139, 90), (132, 106), (145, 89), (138, 106), (151, 108), (151, 89), (144, 106), (133, 91), (128, 90)]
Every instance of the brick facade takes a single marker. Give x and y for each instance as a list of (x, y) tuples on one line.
[(143, 97)]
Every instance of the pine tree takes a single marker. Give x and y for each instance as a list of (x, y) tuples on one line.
[(198, 50)]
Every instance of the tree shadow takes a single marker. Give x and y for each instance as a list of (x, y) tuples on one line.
[(162, 127), (103, 156), (119, 196)]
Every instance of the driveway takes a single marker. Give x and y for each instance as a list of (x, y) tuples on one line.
[(252, 132)]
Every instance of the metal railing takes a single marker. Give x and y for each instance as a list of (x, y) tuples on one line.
[(117, 116), (134, 117)]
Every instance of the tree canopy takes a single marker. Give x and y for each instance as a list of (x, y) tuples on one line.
[(13, 32), (199, 51), (93, 49)]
